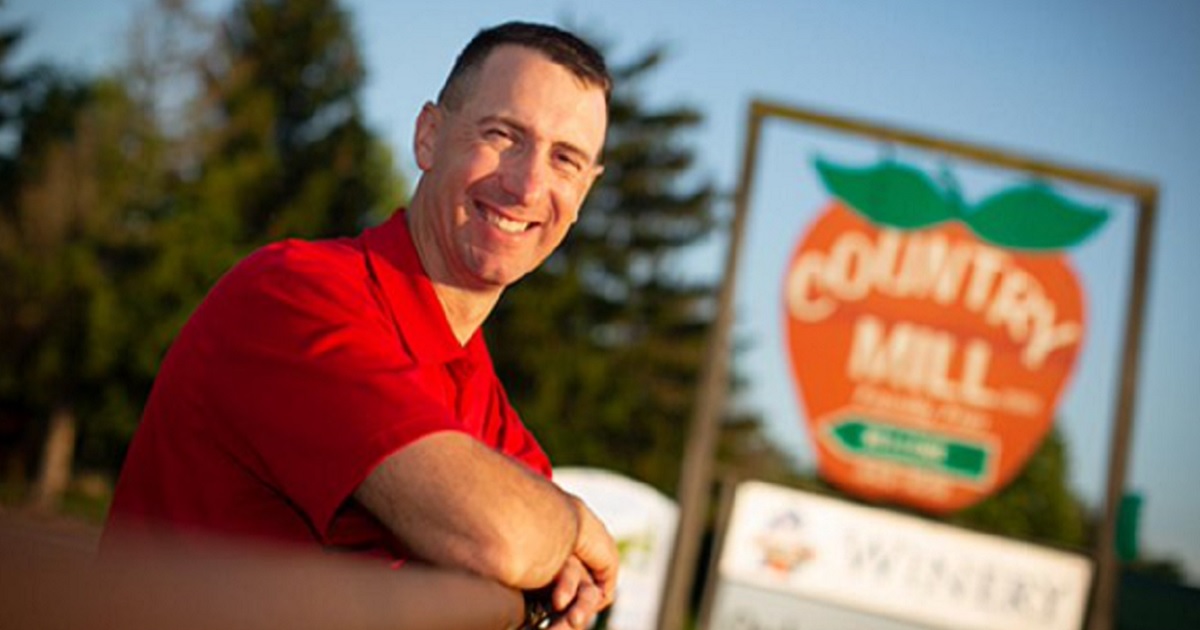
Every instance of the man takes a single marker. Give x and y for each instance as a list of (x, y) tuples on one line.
[(340, 392)]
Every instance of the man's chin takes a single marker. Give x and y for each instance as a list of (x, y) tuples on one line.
[(499, 279)]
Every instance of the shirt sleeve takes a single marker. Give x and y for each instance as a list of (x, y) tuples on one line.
[(511, 437), (313, 387)]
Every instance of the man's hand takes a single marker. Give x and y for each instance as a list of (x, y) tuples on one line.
[(457, 503), (596, 549), (587, 582), (576, 599)]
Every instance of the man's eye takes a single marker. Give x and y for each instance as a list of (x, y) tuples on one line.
[(497, 133), (569, 162)]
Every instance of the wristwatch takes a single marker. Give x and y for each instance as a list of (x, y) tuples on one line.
[(539, 612)]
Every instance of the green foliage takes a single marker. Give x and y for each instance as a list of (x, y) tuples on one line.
[(744, 451), (116, 219), (42, 211), (291, 153), (278, 148), (1038, 505), (12, 84), (1167, 569), (71, 236)]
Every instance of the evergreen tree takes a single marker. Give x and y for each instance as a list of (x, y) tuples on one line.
[(290, 154), (69, 233), (745, 451), (601, 348), (275, 146), (117, 218), (12, 82), (1038, 505)]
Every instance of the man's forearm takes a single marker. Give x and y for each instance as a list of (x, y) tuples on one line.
[(455, 502)]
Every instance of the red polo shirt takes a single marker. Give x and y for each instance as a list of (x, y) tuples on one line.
[(306, 366)]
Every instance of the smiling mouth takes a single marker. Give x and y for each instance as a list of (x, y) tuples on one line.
[(505, 224)]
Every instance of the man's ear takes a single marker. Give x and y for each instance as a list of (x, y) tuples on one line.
[(597, 173), (429, 122)]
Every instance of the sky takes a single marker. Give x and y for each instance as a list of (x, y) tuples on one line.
[(1108, 85)]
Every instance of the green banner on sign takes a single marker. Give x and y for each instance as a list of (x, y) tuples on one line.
[(919, 449)]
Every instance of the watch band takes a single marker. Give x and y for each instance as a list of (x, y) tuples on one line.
[(539, 612)]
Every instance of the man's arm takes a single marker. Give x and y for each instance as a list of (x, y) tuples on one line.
[(457, 503)]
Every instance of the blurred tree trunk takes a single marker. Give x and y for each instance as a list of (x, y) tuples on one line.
[(58, 451)]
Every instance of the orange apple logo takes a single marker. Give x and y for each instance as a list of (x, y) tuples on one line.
[(931, 342)]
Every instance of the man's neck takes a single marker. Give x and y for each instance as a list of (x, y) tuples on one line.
[(465, 310), (465, 307)]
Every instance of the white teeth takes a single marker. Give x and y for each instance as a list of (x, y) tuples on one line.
[(506, 224)]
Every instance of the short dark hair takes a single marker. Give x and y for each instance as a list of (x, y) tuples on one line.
[(561, 47)]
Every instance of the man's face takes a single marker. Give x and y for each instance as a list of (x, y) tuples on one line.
[(507, 172)]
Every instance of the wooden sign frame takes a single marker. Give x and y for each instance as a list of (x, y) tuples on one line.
[(696, 479)]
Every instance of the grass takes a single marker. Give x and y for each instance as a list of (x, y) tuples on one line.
[(85, 501)]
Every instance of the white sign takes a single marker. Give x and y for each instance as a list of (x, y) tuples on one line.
[(642, 520), (899, 566), (739, 607)]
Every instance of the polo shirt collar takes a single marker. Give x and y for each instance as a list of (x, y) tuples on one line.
[(406, 288)]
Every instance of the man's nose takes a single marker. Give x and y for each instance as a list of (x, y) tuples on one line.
[(525, 176)]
